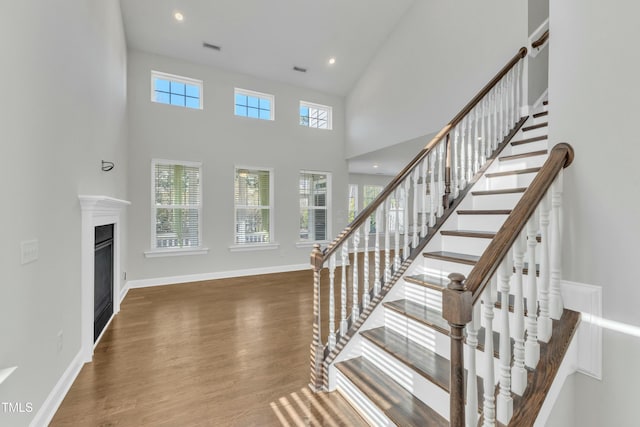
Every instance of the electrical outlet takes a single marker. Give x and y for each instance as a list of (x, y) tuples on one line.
[(28, 251), (60, 341)]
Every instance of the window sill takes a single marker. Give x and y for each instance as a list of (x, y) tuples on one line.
[(157, 253), (254, 247), (306, 244)]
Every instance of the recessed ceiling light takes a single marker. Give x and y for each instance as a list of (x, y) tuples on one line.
[(179, 16), (332, 61), (375, 166)]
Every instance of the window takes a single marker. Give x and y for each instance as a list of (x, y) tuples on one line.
[(176, 206), (396, 212), (176, 90), (315, 115), (370, 193), (315, 197), (353, 202), (253, 196), (252, 104)]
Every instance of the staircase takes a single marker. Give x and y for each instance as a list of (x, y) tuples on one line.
[(469, 239)]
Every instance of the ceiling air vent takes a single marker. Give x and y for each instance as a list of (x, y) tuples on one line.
[(211, 46), (299, 69)]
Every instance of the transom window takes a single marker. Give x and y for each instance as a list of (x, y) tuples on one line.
[(315, 197), (315, 115), (253, 201), (254, 105), (176, 90), (176, 205)]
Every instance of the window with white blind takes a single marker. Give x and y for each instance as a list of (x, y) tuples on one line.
[(352, 202), (176, 207), (370, 194), (396, 211), (253, 201), (315, 200)]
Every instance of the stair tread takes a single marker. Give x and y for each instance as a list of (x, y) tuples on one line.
[(400, 406), (536, 126), (469, 233), (484, 212), (513, 172), (501, 191), (522, 156), (428, 280), (529, 140), (420, 313), (540, 114), (453, 256)]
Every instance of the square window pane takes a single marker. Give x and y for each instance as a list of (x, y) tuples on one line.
[(178, 88), (253, 113), (252, 226), (160, 84), (193, 102), (177, 100), (304, 121), (265, 104), (252, 101), (162, 97), (193, 91), (265, 114), (322, 124), (304, 111), (241, 111), (241, 99), (313, 122)]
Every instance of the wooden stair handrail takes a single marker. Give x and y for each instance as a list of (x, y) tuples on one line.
[(386, 192), (560, 157), (542, 40)]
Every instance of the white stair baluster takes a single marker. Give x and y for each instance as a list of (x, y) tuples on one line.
[(471, 412), (483, 133), (415, 205), (355, 309), (377, 285), (423, 195), (489, 405), (343, 290), (505, 402), (476, 141), (496, 132), (332, 302), (531, 346), (396, 223), (469, 150), (463, 162), (387, 245), (365, 273), (556, 305), (454, 163), (545, 325), (518, 371), (432, 189), (405, 217)]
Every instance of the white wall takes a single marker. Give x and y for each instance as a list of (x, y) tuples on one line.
[(593, 99), (62, 110), (440, 55), (220, 140)]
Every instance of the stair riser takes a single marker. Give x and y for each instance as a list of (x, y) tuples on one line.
[(446, 267), (361, 403), (532, 133), (408, 378), (510, 181), (530, 146), (422, 295), (496, 201), (465, 245), (417, 332), (481, 222), (524, 163)]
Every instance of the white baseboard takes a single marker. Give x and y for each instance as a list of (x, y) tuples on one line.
[(586, 299), (124, 291), (52, 402), (161, 281)]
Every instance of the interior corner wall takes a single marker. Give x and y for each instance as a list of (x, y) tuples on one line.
[(438, 57), (593, 101), (221, 140), (62, 110)]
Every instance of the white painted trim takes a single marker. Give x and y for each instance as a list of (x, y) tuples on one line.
[(174, 280), (540, 100), (247, 92), (587, 299), (158, 253), (106, 326), (326, 108), (254, 247), (124, 291), (307, 244), (179, 79), (52, 402), (97, 210), (535, 36)]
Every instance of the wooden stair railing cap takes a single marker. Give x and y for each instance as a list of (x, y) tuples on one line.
[(543, 38), (561, 156), (404, 173)]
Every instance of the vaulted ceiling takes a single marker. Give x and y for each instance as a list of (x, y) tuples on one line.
[(267, 38)]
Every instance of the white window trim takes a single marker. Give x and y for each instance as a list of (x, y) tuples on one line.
[(355, 204), (164, 252), (180, 79), (304, 243), (255, 94), (272, 244), (318, 106)]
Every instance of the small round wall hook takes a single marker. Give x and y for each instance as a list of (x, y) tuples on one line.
[(107, 166)]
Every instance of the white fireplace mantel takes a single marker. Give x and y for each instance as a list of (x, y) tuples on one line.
[(98, 210)]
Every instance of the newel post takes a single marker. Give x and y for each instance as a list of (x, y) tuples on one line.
[(317, 351), (457, 310)]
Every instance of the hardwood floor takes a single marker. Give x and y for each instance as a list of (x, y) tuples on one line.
[(231, 352)]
